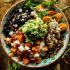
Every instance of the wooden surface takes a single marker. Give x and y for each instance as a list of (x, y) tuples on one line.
[(5, 6), (3, 58)]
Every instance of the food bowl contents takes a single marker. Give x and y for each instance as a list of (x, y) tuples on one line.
[(34, 34)]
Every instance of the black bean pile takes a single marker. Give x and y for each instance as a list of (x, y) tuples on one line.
[(16, 19)]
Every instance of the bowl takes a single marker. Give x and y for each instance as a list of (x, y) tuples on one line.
[(46, 61)]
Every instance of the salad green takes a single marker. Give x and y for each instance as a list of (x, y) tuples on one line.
[(35, 28)]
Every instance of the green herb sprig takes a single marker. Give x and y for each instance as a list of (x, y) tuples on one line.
[(48, 3), (13, 66), (34, 3)]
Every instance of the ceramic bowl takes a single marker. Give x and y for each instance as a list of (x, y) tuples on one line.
[(46, 61)]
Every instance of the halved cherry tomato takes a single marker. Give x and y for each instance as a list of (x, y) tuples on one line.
[(62, 26), (58, 17), (46, 18), (51, 12)]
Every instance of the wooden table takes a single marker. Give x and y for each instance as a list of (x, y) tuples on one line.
[(3, 58)]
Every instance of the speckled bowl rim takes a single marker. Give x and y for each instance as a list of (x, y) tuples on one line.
[(45, 64)]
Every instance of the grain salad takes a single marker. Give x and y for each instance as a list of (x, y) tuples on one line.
[(34, 33)]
